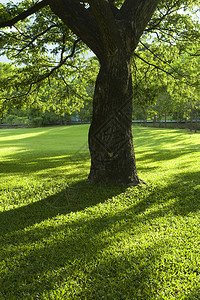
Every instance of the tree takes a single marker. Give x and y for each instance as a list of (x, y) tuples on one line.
[(112, 30), (5, 71)]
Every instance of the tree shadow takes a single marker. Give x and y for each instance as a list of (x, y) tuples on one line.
[(184, 188), (50, 254), (34, 163), (76, 197), (154, 138), (164, 155)]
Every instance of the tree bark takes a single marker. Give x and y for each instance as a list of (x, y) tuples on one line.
[(196, 116), (165, 119), (191, 117), (110, 134), (154, 120)]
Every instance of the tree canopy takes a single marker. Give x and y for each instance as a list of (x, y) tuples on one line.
[(47, 49), (50, 39)]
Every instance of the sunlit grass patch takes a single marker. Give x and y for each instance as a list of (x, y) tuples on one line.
[(62, 238)]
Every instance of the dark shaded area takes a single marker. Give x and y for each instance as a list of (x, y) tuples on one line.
[(169, 124), (22, 163), (154, 137), (67, 201)]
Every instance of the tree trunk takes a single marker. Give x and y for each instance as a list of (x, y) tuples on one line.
[(110, 134), (1, 119), (186, 122), (165, 119), (196, 116), (191, 117), (154, 120)]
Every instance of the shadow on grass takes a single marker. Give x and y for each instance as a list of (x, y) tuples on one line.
[(164, 142), (183, 188), (74, 198), (47, 164), (161, 155), (75, 253), (33, 163)]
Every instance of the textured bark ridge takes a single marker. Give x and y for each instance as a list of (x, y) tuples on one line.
[(110, 135), (113, 35)]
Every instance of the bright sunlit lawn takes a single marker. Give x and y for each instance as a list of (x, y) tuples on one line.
[(61, 238)]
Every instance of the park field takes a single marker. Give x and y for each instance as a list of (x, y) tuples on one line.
[(62, 238)]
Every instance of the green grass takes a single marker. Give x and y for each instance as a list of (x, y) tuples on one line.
[(61, 238)]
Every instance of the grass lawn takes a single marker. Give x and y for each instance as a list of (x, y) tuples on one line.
[(61, 238)]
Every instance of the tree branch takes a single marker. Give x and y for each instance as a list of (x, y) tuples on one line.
[(170, 10), (18, 96), (35, 37), (107, 25), (113, 7), (24, 14), (22, 33), (165, 71), (61, 63), (159, 58), (138, 13), (159, 21), (81, 21), (153, 65), (46, 75)]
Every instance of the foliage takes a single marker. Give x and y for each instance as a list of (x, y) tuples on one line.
[(52, 102), (13, 119), (50, 56), (166, 79), (62, 95), (65, 239)]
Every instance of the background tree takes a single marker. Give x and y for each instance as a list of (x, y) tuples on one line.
[(166, 77), (112, 30)]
